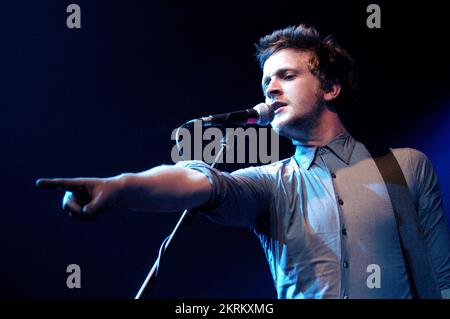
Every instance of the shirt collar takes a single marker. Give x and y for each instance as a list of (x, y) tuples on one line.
[(341, 146)]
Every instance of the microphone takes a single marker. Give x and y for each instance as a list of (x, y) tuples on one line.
[(262, 114)]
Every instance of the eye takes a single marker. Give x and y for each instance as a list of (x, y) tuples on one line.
[(289, 77)]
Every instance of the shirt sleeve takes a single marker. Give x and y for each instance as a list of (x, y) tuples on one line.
[(431, 214), (241, 198)]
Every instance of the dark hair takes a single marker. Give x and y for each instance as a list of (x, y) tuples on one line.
[(330, 63)]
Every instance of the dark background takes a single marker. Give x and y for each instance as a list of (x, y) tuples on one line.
[(104, 99)]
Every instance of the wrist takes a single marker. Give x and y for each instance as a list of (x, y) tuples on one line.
[(119, 184)]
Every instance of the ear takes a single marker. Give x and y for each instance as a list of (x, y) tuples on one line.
[(332, 92)]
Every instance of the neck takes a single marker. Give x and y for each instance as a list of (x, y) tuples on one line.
[(326, 129)]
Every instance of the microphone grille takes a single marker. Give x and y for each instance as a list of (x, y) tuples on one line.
[(266, 113)]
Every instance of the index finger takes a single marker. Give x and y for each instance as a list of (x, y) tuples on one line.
[(70, 184)]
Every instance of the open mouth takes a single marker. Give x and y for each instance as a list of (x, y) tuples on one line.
[(278, 106), (279, 110)]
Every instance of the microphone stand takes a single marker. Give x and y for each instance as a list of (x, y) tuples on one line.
[(185, 217)]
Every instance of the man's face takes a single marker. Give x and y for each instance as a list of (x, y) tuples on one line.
[(295, 92)]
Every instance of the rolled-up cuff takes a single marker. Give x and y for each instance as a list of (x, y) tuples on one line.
[(218, 188)]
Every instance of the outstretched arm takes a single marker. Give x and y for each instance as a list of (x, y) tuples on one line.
[(164, 188)]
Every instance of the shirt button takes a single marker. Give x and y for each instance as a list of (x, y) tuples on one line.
[(345, 264), (333, 175), (341, 202), (344, 231)]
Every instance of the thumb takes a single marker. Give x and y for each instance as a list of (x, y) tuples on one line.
[(95, 205)]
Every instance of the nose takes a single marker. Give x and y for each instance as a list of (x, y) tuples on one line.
[(273, 89)]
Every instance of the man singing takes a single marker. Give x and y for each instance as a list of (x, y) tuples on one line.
[(326, 217)]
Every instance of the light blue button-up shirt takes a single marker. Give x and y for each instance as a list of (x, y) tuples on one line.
[(325, 220)]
